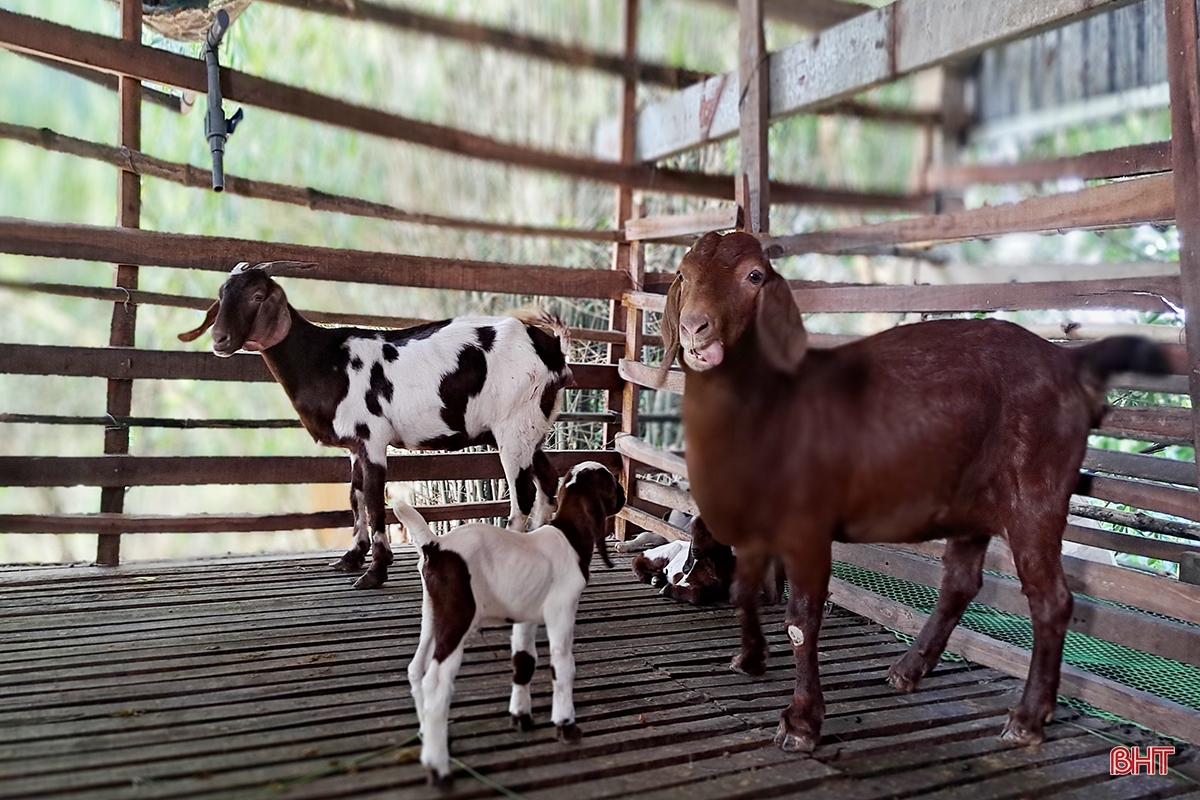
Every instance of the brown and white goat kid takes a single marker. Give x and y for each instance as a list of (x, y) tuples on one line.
[(439, 386), (955, 429), (479, 575)]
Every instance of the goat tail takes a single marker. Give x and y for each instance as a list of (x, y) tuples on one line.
[(1099, 360), (548, 321), (416, 526)]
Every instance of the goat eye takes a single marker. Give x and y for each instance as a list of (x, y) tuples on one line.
[(755, 276), (258, 298)]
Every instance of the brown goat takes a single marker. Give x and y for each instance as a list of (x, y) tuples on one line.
[(955, 429)]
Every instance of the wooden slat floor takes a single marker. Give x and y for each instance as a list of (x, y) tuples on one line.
[(270, 677)]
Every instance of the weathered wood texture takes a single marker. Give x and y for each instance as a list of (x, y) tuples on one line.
[(219, 254), (1121, 162), (753, 117), (1120, 204), (135, 161), (626, 66), (31, 35), (127, 363), (128, 470), (142, 298), (225, 523), (1141, 707), (849, 58), (1105, 55), (1183, 67), (239, 677), (1150, 634), (122, 330)]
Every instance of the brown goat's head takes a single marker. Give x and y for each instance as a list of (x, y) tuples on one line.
[(725, 289), (593, 480), (251, 311)]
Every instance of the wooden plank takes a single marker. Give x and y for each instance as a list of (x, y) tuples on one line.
[(1133, 465), (27, 34), (119, 400), (1146, 294), (643, 453), (859, 54), (669, 496), (1127, 543), (1155, 423), (812, 14), (753, 118), (649, 522), (227, 523), (143, 298), (668, 226), (127, 363), (1139, 494), (1183, 65), (626, 65), (1143, 708), (133, 160), (1120, 162), (217, 254), (1121, 204), (246, 470), (647, 376), (1149, 634)]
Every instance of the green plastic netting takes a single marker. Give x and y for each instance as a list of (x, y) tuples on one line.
[(1159, 676)]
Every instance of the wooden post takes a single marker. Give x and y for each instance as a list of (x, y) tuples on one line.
[(124, 316), (754, 116), (623, 250), (1183, 71), (947, 139), (631, 393)]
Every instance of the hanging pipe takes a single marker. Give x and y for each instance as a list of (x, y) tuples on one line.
[(216, 128)]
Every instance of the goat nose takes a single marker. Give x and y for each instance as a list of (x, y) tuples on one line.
[(692, 325), (220, 338)]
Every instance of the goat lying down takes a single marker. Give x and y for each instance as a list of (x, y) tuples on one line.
[(699, 572), (955, 429), (439, 386), (478, 575)]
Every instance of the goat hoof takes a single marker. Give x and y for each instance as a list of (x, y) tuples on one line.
[(348, 563), (1018, 733), (568, 733), (370, 580), (522, 722), (753, 665), (792, 742), (439, 780), (899, 681)]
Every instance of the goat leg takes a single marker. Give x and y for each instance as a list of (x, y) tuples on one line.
[(808, 576), (356, 556), (962, 577), (745, 592), (1039, 566), (381, 549)]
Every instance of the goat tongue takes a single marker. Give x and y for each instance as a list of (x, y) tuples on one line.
[(711, 354)]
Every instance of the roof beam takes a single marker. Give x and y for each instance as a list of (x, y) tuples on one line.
[(852, 57)]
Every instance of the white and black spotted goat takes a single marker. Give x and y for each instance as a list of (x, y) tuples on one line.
[(439, 386), (478, 574)]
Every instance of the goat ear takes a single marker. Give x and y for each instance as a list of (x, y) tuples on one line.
[(209, 318), (670, 329), (272, 323), (781, 334)]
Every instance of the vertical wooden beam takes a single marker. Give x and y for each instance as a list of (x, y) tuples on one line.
[(754, 118), (956, 118), (1183, 71), (124, 316), (623, 251)]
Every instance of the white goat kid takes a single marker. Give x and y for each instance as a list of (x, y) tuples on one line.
[(479, 574)]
